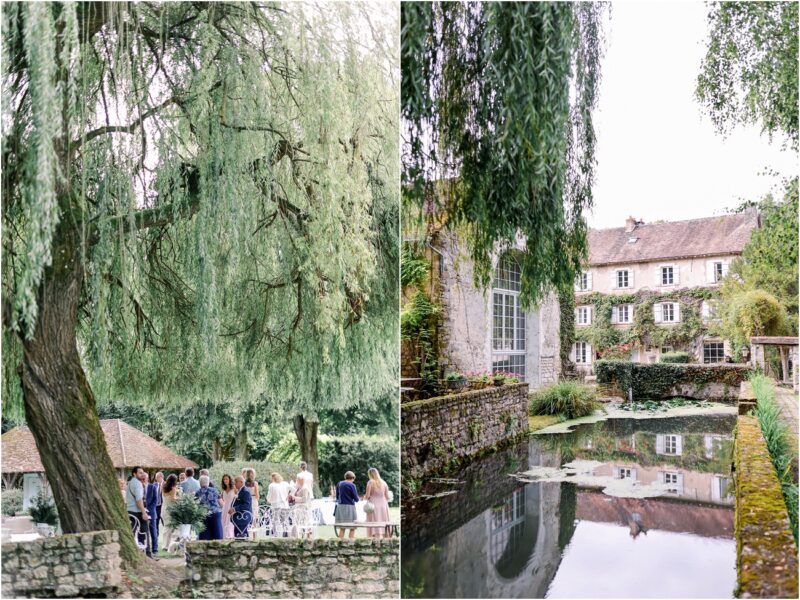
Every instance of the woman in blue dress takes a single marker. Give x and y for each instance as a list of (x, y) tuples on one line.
[(346, 498), (210, 498)]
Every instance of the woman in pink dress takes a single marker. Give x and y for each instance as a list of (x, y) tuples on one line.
[(228, 494), (378, 493)]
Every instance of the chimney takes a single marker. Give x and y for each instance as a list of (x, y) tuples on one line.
[(630, 224)]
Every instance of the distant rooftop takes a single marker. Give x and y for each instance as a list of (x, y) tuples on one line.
[(642, 242)]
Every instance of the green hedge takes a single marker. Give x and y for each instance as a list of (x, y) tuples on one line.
[(676, 357), (263, 471), (656, 380), (12, 502), (358, 453)]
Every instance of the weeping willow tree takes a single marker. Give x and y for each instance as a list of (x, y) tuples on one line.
[(498, 96), (199, 204)]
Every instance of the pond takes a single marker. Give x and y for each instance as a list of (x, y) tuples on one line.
[(622, 508)]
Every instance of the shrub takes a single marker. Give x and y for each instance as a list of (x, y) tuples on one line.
[(657, 380), (676, 357), (567, 399), (12, 502), (358, 453), (187, 510), (44, 510)]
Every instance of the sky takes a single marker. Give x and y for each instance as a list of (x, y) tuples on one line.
[(659, 157)]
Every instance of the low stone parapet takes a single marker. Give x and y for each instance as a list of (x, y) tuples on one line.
[(438, 432), (766, 553), (293, 568), (81, 565)]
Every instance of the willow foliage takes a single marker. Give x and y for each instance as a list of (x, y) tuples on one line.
[(499, 96), (230, 171)]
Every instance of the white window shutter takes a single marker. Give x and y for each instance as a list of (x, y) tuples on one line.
[(576, 317), (589, 281), (725, 265), (578, 284), (679, 445), (572, 353), (676, 274), (630, 278), (658, 275), (614, 317), (660, 444), (677, 307), (589, 310), (614, 279), (710, 271), (657, 312), (706, 310), (589, 355)]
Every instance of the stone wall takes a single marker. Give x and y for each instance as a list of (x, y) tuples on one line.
[(293, 568), (73, 565), (766, 553), (438, 431)]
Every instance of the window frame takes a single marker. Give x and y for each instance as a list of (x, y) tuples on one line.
[(508, 351), (585, 353), (628, 314), (667, 269), (719, 271), (720, 353), (672, 312), (627, 275)]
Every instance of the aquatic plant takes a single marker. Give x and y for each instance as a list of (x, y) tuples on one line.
[(568, 399)]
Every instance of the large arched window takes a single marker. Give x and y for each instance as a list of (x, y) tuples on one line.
[(508, 319)]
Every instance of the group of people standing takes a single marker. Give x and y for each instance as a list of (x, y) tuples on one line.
[(233, 506)]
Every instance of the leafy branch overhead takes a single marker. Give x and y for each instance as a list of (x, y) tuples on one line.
[(497, 103)]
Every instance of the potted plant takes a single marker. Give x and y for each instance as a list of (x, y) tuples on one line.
[(478, 381), (44, 514), (455, 380), (498, 379), (188, 514)]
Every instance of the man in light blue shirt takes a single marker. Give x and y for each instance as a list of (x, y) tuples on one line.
[(134, 501), (190, 485)]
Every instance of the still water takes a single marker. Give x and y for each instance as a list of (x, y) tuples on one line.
[(623, 508)]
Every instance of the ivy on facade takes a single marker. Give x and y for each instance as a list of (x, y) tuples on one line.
[(617, 342)]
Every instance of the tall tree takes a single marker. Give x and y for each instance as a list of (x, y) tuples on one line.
[(196, 204), (750, 71), (497, 99)]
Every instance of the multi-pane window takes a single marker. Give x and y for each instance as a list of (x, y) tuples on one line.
[(583, 315), (668, 312), (581, 353), (623, 278), (713, 352), (670, 444), (622, 313), (718, 271), (583, 282), (625, 473), (667, 275), (508, 319)]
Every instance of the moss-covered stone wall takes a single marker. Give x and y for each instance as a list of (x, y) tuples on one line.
[(81, 565), (439, 432), (766, 559), (293, 568)]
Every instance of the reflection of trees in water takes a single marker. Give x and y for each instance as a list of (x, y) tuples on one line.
[(567, 509)]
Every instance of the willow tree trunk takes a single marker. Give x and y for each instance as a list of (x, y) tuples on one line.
[(306, 432), (241, 444), (60, 407)]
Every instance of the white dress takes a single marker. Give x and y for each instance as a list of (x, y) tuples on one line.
[(307, 477), (278, 495)]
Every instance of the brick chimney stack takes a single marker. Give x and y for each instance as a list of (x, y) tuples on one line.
[(630, 224)]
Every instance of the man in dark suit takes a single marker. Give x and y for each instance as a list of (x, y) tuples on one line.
[(241, 510), (151, 504)]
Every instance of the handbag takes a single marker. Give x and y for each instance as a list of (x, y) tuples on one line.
[(369, 507)]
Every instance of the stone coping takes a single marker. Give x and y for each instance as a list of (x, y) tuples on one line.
[(459, 396), (766, 560)]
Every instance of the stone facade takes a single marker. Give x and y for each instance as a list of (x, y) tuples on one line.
[(466, 337), (441, 430), (80, 565), (293, 568)]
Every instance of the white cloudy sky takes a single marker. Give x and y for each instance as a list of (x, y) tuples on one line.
[(659, 156)]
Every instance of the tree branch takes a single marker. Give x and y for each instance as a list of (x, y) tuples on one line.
[(130, 128)]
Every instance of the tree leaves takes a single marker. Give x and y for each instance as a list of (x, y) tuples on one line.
[(499, 96)]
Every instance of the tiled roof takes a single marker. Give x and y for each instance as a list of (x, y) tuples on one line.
[(127, 446), (711, 236)]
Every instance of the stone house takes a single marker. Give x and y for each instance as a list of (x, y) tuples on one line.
[(659, 259), (489, 331)]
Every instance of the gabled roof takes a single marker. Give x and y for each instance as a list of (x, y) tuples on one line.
[(127, 446), (710, 236)]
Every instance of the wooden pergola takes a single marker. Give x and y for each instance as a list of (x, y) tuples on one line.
[(787, 347)]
